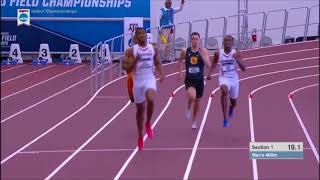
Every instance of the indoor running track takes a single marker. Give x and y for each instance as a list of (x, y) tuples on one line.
[(51, 128)]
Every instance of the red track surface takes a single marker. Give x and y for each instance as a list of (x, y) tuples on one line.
[(56, 139)]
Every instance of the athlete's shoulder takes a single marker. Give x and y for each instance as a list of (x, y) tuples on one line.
[(184, 50), (216, 55), (204, 50), (235, 51), (219, 51), (238, 54), (152, 47), (129, 50), (135, 45)]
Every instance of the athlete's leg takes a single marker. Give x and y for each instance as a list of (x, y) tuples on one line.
[(139, 118), (191, 93), (191, 96), (224, 84), (150, 103), (233, 103), (150, 106), (196, 108), (224, 101), (234, 91), (199, 94), (130, 86), (195, 112), (140, 104)]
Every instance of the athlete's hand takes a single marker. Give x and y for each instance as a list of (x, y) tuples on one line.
[(162, 77), (201, 51)]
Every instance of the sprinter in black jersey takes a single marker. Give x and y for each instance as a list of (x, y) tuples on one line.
[(195, 58)]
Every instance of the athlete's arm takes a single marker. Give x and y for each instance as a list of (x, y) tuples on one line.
[(180, 60), (205, 56), (128, 56), (238, 57), (180, 8), (214, 64), (157, 64)]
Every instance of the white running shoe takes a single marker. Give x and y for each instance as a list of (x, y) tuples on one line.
[(194, 125)]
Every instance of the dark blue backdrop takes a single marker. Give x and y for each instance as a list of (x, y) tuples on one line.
[(84, 32)]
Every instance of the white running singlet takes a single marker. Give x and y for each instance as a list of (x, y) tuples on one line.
[(228, 73), (143, 76), (228, 65), (144, 67)]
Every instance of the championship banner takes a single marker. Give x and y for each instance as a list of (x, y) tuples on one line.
[(51, 22), (130, 24), (77, 8)]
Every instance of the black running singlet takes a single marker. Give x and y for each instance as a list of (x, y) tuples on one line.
[(194, 65)]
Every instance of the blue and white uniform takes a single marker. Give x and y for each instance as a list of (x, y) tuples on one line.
[(228, 72)]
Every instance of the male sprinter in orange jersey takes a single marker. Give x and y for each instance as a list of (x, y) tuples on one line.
[(195, 58), (140, 59), (228, 79)]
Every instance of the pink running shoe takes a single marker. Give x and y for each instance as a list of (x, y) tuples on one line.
[(140, 143), (149, 130)]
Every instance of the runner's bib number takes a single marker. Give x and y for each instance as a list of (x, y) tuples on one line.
[(193, 70), (228, 67)]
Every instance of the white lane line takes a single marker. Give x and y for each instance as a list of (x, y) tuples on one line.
[(67, 118), (92, 137), (18, 92), (276, 54), (87, 142), (112, 97), (28, 73), (13, 68), (254, 164), (144, 139), (311, 58), (254, 161), (196, 144), (46, 99), (302, 88), (305, 131), (281, 45), (145, 136), (145, 149), (277, 82), (58, 124)]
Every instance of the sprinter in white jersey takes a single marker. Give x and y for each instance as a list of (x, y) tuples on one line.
[(228, 60), (141, 60)]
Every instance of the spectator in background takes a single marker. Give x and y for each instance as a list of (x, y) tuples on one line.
[(166, 25)]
